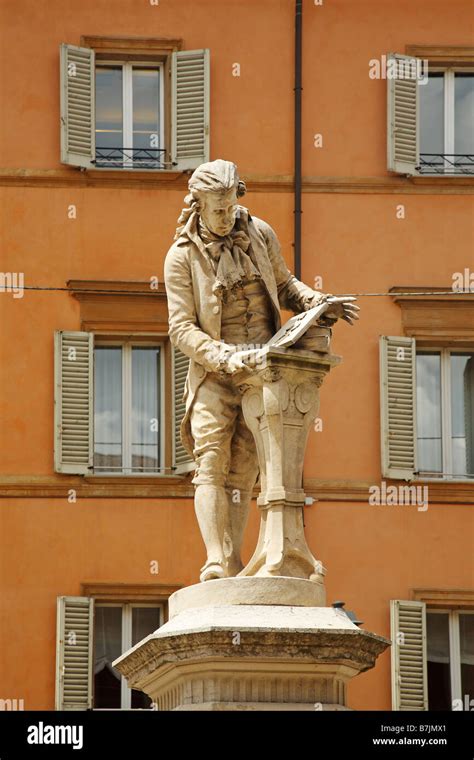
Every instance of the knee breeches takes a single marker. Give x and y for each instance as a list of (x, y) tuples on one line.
[(224, 447)]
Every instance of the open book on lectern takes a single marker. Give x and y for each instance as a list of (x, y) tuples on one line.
[(287, 335)]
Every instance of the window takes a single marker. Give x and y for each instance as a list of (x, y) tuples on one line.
[(115, 113), (129, 116), (119, 386), (92, 631), (427, 388), (430, 107), (432, 654), (445, 413), (447, 123), (118, 627), (450, 658), (127, 408)]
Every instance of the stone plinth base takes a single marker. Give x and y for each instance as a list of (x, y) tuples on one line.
[(249, 656), (278, 590)]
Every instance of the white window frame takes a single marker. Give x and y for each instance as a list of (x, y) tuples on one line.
[(127, 345), (446, 442), (126, 607), (127, 105), (454, 648), (448, 112)]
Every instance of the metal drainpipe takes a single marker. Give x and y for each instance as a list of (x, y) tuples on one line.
[(297, 137), (297, 158)]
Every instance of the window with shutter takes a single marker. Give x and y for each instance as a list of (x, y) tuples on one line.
[(116, 111), (74, 653), (409, 660), (182, 462), (77, 105), (90, 635), (402, 115), (73, 402), (398, 406), (189, 108)]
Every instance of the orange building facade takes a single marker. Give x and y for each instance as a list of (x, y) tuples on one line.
[(98, 139)]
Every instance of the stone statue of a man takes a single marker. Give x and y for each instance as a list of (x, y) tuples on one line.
[(226, 281)]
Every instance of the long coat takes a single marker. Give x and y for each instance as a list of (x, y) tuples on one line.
[(195, 311)]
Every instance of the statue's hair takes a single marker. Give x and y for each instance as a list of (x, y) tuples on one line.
[(212, 177)]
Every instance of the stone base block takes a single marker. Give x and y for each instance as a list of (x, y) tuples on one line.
[(278, 590), (251, 656)]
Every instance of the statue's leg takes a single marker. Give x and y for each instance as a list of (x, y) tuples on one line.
[(238, 512), (213, 417), (243, 474), (210, 503)]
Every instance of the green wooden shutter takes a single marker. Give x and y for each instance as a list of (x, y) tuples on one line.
[(409, 660), (77, 67), (180, 364), (73, 402), (189, 108), (74, 653), (403, 152), (398, 406)]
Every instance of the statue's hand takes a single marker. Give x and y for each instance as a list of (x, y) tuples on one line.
[(229, 361), (341, 307), (234, 364)]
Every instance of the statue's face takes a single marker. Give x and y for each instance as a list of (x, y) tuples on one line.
[(218, 211)]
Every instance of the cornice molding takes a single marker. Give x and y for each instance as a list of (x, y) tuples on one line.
[(72, 177), (95, 487), (438, 293), (131, 45), (434, 319), (121, 306), (444, 55), (181, 487), (445, 598), (358, 491), (131, 592), (257, 183), (136, 592), (88, 289)]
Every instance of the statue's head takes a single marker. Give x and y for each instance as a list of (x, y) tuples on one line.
[(215, 188)]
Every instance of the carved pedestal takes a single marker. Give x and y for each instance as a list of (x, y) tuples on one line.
[(280, 402), (250, 656)]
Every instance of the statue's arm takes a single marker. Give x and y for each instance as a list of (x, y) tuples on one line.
[(292, 293), (184, 332)]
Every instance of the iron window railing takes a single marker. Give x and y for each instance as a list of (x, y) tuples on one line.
[(446, 163), (131, 158)]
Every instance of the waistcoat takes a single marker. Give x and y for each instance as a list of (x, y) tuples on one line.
[(247, 319)]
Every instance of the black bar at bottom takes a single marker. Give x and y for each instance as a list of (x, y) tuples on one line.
[(146, 733)]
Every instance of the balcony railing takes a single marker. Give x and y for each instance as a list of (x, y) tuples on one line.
[(131, 158), (447, 164), (155, 158)]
